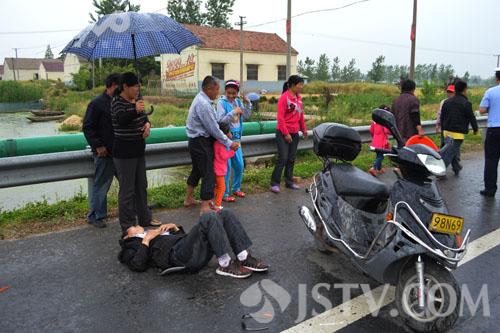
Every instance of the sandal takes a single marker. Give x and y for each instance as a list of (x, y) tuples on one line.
[(239, 194), (229, 198)]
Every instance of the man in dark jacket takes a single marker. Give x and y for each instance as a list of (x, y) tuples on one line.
[(98, 131), (456, 115), (169, 248), (406, 109)]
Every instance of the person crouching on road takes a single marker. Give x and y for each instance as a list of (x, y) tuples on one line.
[(221, 158), (98, 131), (131, 127), (202, 129), (169, 247), (290, 121), (232, 109)]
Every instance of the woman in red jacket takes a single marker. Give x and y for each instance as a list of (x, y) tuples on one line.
[(290, 121)]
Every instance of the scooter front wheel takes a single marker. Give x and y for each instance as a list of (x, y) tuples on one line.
[(441, 304)]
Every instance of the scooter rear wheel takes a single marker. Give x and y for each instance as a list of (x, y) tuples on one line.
[(442, 297)]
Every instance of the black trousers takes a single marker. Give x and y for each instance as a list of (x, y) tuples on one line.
[(132, 195), (491, 158), (286, 158), (201, 150), (208, 237), (451, 155)]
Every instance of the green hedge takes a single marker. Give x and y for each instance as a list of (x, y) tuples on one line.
[(19, 92)]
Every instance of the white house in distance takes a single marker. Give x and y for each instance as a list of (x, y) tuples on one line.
[(264, 60), (72, 64), (50, 70), (24, 69)]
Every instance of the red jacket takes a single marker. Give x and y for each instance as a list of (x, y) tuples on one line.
[(221, 155), (379, 136), (290, 114)]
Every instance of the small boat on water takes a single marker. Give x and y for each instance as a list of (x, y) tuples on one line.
[(47, 112), (38, 119)]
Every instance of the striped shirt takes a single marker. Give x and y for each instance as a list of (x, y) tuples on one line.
[(127, 128)]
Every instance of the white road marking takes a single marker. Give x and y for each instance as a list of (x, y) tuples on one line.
[(349, 312)]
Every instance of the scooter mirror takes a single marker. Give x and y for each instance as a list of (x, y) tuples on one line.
[(386, 119)]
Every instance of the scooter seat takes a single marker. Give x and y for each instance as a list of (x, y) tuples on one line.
[(351, 181)]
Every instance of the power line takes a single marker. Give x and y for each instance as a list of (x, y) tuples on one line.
[(393, 44), (310, 12), (36, 32)]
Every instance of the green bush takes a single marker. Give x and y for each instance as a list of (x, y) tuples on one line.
[(429, 92), (83, 79), (18, 92)]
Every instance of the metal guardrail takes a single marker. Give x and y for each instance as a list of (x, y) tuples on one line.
[(45, 168)]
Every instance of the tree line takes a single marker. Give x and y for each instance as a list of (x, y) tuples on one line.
[(331, 70)]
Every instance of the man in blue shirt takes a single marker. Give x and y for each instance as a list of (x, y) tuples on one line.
[(202, 129), (491, 104)]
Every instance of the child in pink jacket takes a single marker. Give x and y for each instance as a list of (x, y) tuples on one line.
[(221, 155), (380, 136)]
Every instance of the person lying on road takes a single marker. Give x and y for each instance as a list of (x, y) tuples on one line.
[(170, 247)]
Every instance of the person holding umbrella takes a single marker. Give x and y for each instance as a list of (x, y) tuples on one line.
[(131, 127)]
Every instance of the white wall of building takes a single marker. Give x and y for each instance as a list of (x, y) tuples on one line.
[(268, 63), (44, 75), (175, 67), (71, 66), (21, 74)]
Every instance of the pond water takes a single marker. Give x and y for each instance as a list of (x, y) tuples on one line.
[(16, 125)]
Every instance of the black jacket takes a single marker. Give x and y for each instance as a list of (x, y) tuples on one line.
[(139, 257), (457, 114), (97, 126)]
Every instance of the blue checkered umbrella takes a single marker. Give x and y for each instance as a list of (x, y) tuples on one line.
[(131, 35)]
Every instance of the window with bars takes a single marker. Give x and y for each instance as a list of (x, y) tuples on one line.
[(252, 72), (218, 71), (282, 73)]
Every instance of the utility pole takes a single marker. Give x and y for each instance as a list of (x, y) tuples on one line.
[(413, 40), (289, 39), (14, 66), (498, 59), (100, 70), (241, 23)]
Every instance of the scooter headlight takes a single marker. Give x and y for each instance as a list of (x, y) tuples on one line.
[(434, 165)]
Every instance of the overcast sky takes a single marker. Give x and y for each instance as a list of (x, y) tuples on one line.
[(462, 33)]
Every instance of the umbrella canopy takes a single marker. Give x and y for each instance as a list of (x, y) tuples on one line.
[(131, 35)]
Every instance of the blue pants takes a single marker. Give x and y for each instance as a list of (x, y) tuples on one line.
[(236, 165), (378, 161), (104, 172)]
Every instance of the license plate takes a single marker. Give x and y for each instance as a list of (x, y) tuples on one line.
[(446, 224)]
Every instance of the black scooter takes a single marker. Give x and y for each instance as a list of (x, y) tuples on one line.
[(403, 236)]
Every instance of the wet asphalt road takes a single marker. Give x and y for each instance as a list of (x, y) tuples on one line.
[(72, 281)]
